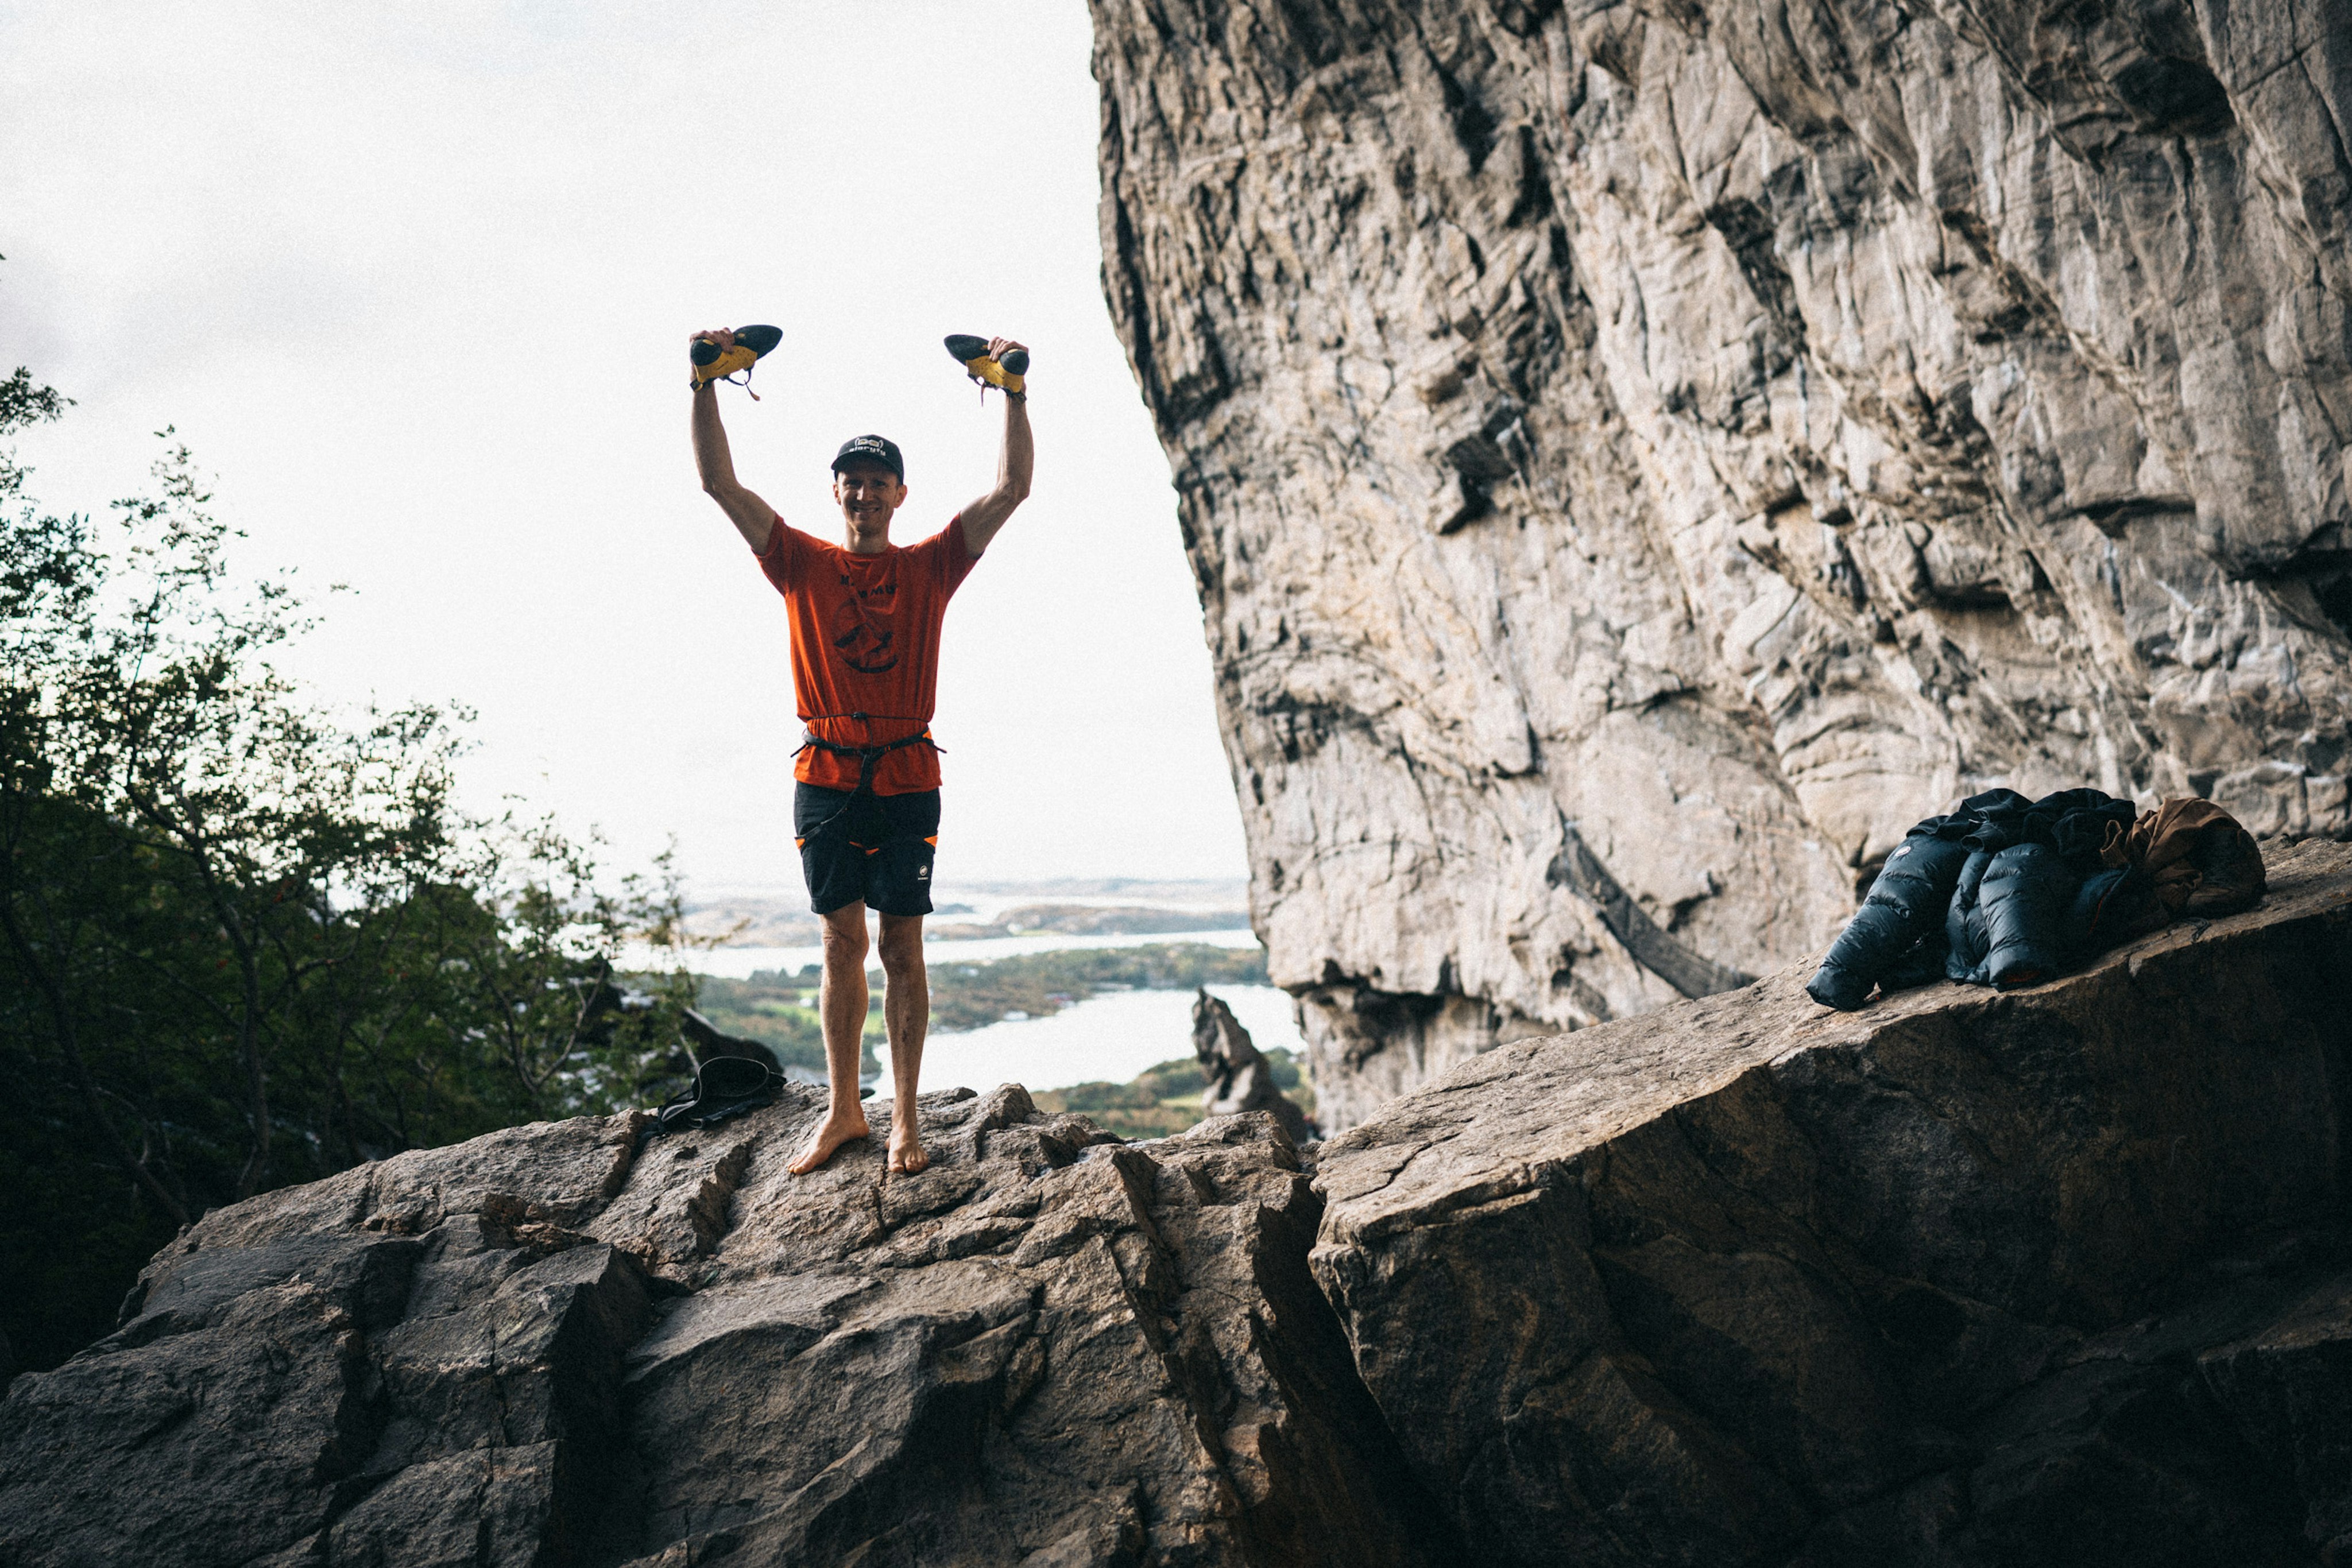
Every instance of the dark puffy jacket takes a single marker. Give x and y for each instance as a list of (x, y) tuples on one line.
[(1906, 908), (2116, 905), (2074, 822), (2007, 922), (2003, 891)]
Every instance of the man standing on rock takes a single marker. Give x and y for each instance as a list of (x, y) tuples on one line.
[(865, 617)]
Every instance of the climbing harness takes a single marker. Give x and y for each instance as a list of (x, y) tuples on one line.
[(868, 757)]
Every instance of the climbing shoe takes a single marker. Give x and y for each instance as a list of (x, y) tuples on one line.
[(1003, 374), (713, 363)]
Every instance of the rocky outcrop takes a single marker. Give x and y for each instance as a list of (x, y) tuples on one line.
[(1047, 1350), (2059, 1276), (1238, 1078), (1950, 1280), (1639, 456)]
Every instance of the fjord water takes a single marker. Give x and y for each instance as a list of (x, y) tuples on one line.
[(1107, 1039)]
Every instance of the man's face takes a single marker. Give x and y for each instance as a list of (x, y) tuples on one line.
[(868, 494)]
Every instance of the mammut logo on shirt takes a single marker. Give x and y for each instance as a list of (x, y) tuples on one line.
[(861, 628)]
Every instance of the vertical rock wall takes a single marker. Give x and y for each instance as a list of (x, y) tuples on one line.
[(1637, 458)]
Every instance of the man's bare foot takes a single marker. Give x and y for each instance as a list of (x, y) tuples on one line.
[(908, 1155), (835, 1130)]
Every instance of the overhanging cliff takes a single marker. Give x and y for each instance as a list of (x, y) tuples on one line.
[(1637, 458)]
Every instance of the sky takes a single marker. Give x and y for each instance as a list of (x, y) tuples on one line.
[(414, 282)]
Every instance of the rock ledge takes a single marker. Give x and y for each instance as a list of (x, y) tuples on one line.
[(1964, 1279)]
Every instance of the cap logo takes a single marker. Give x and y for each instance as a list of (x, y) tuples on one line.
[(870, 448)]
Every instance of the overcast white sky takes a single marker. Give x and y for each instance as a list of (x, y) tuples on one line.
[(413, 280)]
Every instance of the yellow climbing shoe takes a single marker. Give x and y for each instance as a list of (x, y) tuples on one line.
[(1003, 374), (713, 363)]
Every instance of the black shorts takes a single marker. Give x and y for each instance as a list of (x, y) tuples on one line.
[(879, 851)]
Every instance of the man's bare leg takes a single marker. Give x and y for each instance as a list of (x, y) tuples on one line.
[(841, 1005), (907, 1014)]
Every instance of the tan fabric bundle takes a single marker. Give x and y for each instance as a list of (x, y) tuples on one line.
[(2204, 861)]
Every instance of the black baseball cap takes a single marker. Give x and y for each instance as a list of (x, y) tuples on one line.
[(871, 449)]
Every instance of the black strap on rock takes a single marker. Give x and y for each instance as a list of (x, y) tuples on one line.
[(724, 1088)]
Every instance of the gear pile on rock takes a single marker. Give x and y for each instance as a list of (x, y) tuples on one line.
[(2049, 1276), (2008, 891)]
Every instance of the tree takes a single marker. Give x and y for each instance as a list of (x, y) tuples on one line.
[(244, 942)]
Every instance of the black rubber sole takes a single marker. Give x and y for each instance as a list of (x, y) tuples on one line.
[(967, 348), (758, 340)]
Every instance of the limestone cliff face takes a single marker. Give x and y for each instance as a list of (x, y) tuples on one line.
[(1639, 457)]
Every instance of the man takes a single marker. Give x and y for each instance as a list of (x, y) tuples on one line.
[(865, 618)]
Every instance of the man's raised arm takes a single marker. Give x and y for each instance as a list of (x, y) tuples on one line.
[(753, 517), (986, 516)]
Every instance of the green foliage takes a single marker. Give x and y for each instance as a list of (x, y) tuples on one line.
[(244, 943), (1178, 1079)]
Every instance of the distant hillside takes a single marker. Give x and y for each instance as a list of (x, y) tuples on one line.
[(781, 918), (1090, 920), (1166, 1099)]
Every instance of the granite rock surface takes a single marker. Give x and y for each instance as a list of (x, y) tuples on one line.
[(544, 1348), (1961, 1281), (1963, 1278), (1637, 457)]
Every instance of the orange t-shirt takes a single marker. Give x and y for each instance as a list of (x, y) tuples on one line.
[(865, 639)]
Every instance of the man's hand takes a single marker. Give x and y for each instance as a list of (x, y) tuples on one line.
[(990, 513), (753, 518)]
